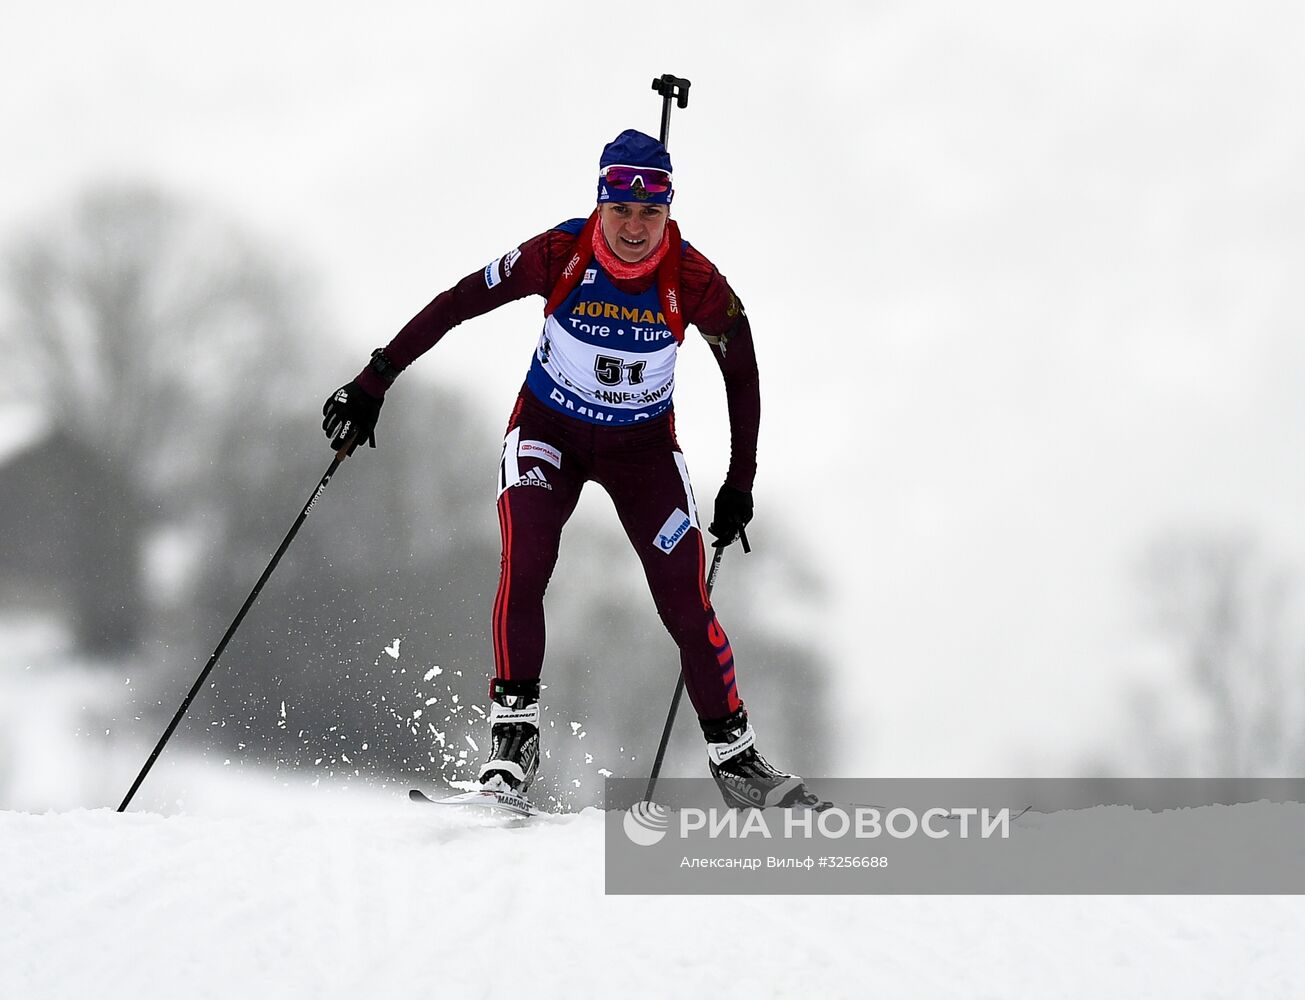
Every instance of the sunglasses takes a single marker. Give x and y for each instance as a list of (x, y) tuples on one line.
[(650, 180)]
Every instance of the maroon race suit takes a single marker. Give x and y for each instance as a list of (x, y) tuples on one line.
[(555, 443)]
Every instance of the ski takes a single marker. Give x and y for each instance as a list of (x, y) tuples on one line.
[(496, 800)]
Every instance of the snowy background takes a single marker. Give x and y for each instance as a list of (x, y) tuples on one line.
[(1021, 280)]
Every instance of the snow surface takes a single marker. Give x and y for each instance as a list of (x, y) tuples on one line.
[(316, 893)]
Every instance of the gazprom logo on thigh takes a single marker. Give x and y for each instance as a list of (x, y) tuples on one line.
[(675, 528)]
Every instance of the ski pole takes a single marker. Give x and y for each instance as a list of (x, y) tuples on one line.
[(679, 681), (340, 456), (671, 88), (675, 88)]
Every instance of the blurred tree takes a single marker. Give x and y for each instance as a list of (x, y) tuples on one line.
[(157, 338), (1231, 617), (70, 542), (155, 332)]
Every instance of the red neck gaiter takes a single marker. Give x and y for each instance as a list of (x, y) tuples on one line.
[(618, 268)]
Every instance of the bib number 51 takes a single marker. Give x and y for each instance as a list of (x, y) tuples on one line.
[(610, 371)]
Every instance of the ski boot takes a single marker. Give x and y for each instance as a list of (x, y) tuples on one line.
[(514, 736), (744, 777)]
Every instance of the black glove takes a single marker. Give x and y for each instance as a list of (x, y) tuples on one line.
[(733, 512), (349, 414)]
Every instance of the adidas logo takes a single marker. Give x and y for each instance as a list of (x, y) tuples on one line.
[(535, 477)]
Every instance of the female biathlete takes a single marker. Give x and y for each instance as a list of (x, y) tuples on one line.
[(621, 287)]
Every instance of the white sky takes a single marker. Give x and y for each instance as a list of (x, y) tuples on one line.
[(1024, 283)]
